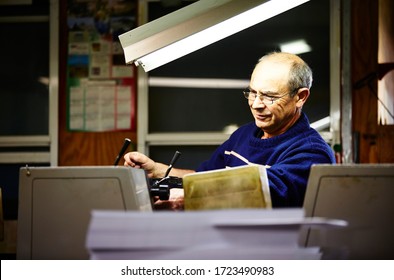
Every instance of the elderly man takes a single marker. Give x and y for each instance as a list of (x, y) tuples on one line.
[(280, 136)]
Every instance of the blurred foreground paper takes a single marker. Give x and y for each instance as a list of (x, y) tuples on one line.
[(215, 234), (237, 187)]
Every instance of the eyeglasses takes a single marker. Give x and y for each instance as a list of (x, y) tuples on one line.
[(267, 99)]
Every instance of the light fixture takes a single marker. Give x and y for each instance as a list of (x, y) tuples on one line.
[(296, 47), (194, 27), (321, 124)]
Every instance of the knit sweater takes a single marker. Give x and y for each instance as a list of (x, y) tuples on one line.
[(289, 157)]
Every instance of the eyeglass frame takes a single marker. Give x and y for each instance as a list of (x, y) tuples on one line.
[(247, 91)]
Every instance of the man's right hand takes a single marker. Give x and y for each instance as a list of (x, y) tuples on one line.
[(139, 160)]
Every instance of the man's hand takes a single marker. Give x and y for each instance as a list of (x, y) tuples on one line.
[(139, 160), (175, 201)]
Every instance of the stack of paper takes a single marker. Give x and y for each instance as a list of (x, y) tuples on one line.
[(219, 234)]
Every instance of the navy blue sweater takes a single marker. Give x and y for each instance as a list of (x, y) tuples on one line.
[(289, 155)]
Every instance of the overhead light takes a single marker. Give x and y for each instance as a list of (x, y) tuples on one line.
[(194, 27), (321, 124), (296, 47)]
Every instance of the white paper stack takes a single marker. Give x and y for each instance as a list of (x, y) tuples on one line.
[(216, 234)]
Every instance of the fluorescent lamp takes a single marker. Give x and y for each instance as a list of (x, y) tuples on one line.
[(197, 82), (296, 47), (195, 26), (321, 124)]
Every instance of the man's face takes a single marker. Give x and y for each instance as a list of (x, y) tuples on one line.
[(274, 118)]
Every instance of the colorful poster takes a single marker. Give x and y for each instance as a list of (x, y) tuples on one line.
[(101, 87)]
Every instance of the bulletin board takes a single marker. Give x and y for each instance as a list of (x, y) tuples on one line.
[(101, 92)]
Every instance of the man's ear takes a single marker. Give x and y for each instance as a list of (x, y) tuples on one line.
[(302, 96)]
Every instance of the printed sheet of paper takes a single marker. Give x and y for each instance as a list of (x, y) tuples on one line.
[(100, 106), (237, 187)]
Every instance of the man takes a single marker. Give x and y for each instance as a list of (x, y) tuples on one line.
[(280, 137)]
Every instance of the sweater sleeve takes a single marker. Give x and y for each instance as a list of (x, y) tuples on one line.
[(288, 177)]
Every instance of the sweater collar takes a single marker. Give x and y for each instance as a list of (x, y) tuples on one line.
[(300, 126)]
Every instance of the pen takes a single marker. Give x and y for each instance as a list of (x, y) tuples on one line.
[(126, 143)]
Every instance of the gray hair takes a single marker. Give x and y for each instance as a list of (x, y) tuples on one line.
[(300, 74)]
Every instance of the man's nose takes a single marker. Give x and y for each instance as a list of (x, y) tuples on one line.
[(258, 103)]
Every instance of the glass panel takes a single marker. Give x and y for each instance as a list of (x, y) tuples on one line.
[(34, 8), (24, 91), (9, 180), (196, 109), (191, 156)]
